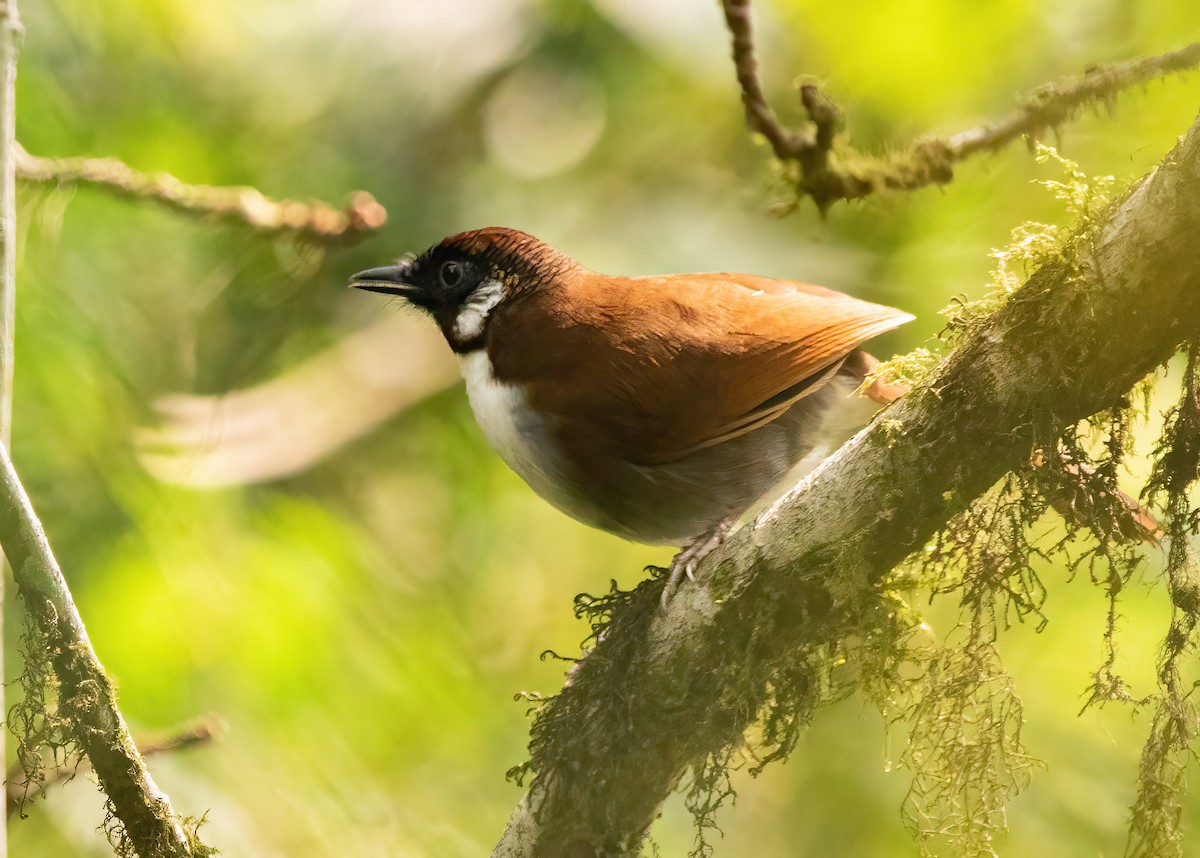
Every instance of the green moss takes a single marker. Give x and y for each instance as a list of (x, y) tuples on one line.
[(1031, 246), (35, 719), (906, 369), (958, 704)]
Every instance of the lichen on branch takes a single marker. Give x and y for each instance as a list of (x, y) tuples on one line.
[(822, 166)]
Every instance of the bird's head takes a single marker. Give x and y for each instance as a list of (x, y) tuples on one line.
[(463, 278)]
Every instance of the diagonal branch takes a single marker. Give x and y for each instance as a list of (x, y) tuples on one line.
[(829, 174), (664, 690), (202, 731), (1052, 104), (313, 221), (86, 694)]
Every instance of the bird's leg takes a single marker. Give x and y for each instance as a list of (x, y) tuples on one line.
[(692, 553)]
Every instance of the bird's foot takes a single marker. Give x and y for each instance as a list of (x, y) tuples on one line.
[(690, 555)]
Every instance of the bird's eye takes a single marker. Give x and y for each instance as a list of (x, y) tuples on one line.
[(451, 273)]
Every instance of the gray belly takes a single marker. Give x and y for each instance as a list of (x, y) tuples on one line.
[(664, 504), (673, 503)]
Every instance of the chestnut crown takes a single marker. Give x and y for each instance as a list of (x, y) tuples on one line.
[(459, 280)]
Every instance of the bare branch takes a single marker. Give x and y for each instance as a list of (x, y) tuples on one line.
[(830, 172), (664, 690), (313, 221), (202, 731), (86, 694), (759, 115)]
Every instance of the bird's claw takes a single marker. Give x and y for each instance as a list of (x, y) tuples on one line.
[(675, 576), (688, 559)]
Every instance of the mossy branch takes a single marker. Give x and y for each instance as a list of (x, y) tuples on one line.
[(316, 222), (828, 170), (20, 792), (666, 691), (87, 699)]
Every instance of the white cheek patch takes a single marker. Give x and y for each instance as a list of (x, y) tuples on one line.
[(474, 311)]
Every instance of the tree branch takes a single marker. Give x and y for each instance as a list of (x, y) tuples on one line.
[(87, 698), (664, 690), (1052, 104), (312, 221), (11, 33), (930, 160), (759, 116), (199, 732)]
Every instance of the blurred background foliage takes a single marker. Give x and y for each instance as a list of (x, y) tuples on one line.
[(363, 623)]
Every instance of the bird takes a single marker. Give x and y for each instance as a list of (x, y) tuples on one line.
[(656, 408)]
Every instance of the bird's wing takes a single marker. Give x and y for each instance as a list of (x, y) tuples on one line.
[(675, 364)]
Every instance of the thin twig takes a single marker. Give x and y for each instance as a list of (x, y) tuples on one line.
[(829, 173), (759, 115), (1052, 104), (313, 221), (86, 695), (211, 728)]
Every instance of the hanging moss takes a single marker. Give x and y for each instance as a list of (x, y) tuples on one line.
[(1155, 830), (40, 729)]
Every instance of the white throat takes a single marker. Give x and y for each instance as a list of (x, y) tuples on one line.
[(473, 313)]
